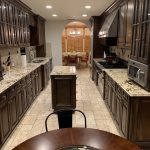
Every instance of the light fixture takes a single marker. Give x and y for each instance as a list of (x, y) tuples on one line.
[(74, 33), (148, 14), (84, 15), (48, 6), (87, 6), (54, 15)]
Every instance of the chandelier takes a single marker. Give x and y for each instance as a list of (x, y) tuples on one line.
[(74, 33)]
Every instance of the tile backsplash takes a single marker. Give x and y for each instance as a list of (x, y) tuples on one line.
[(14, 53), (16, 56), (123, 53)]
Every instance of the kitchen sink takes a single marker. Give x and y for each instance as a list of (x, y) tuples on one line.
[(37, 61)]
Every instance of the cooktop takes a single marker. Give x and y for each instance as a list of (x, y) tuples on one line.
[(112, 65)]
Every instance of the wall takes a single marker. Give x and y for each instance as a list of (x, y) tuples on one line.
[(53, 33)]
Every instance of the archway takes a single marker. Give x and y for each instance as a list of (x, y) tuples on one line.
[(76, 42)]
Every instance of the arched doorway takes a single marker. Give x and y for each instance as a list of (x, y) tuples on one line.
[(76, 44)]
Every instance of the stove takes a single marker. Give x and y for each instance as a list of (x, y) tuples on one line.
[(111, 65)]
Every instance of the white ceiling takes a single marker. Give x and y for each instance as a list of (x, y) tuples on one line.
[(68, 9)]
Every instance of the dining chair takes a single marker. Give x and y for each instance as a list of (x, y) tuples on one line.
[(72, 59), (85, 59), (64, 118)]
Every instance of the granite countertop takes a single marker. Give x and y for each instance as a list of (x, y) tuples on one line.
[(15, 74), (64, 70), (121, 78)]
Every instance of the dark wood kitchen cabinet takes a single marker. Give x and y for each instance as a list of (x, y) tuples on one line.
[(117, 101), (141, 32), (13, 106), (131, 113), (15, 101), (129, 22), (122, 24), (45, 74), (5, 127), (125, 23), (40, 30), (37, 32), (39, 79), (14, 24), (63, 92)]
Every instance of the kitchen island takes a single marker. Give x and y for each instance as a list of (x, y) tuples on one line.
[(130, 106), (63, 83)]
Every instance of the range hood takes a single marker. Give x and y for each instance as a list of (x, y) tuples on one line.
[(108, 32)]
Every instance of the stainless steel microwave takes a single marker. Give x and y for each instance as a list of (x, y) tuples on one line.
[(139, 73)]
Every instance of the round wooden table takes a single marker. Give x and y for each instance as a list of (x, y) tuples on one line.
[(60, 138)]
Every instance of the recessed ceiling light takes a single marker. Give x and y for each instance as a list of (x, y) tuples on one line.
[(84, 15), (87, 6), (54, 15), (49, 6)]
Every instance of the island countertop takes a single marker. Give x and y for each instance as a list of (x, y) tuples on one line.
[(64, 70), (121, 78), (15, 74)]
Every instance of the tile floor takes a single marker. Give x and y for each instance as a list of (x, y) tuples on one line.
[(88, 100)]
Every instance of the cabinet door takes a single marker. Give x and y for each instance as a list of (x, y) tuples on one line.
[(122, 24), (124, 117), (20, 104), (63, 91), (29, 93), (106, 91), (118, 111), (141, 32), (144, 54), (13, 106), (109, 95), (24, 98), (2, 35), (39, 79), (5, 126), (113, 104), (130, 10)]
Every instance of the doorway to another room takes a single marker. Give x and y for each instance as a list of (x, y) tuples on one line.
[(76, 45)]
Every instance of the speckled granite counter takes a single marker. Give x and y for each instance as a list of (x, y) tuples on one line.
[(64, 70), (15, 74), (121, 78)]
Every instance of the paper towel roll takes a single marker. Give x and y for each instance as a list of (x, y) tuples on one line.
[(23, 60)]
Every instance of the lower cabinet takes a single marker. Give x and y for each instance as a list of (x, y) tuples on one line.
[(130, 113), (5, 125), (13, 106), (15, 101)]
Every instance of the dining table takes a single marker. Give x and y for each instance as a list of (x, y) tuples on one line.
[(77, 139)]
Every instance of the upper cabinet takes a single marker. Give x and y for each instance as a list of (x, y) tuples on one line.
[(122, 24), (14, 24), (37, 32), (141, 32), (125, 23)]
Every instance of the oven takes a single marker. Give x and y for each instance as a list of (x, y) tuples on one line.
[(100, 85)]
